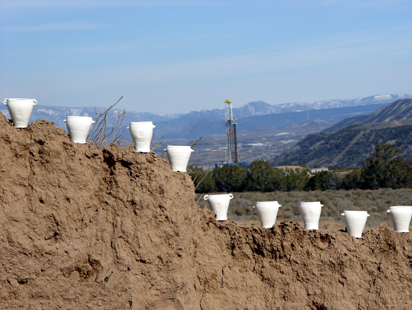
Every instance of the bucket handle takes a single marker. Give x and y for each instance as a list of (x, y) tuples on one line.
[(6, 100), (230, 195), (343, 214), (389, 211), (154, 126), (64, 120), (206, 197)]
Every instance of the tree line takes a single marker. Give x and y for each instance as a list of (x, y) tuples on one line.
[(384, 168)]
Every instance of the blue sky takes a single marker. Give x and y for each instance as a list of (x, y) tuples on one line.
[(174, 56)]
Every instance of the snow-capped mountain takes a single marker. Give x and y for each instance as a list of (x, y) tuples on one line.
[(340, 103), (170, 123)]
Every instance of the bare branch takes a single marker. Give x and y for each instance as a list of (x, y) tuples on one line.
[(154, 146), (100, 135), (195, 142), (202, 179)]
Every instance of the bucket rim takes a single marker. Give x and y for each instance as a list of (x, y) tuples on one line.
[(178, 146), (219, 194), (79, 116), (148, 122)]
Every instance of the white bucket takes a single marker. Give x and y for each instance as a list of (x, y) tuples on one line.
[(355, 222), (310, 212), (78, 127), (20, 110), (401, 217), (219, 204), (178, 156), (267, 212), (141, 133)]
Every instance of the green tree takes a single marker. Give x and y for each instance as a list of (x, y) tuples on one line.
[(294, 179), (320, 181), (352, 179), (408, 173), (260, 177), (385, 168), (279, 179), (203, 180), (230, 178)]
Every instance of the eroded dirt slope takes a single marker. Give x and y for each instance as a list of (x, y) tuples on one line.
[(84, 228)]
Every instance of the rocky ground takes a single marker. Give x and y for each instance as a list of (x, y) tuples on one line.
[(85, 228)]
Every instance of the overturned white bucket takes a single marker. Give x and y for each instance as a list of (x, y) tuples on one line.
[(141, 133), (78, 127), (355, 222), (219, 204), (310, 212), (401, 217), (267, 212), (178, 156), (20, 110)]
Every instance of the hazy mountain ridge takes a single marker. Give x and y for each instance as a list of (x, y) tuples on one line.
[(401, 109), (265, 122), (339, 103), (57, 114), (351, 145)]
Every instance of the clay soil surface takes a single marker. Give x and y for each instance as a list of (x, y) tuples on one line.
[(85, 228)]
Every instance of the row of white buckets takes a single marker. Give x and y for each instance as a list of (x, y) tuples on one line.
[(141, 132), (20, 110), (267, 211)]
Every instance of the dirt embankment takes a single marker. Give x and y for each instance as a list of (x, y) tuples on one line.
[(84, 228)]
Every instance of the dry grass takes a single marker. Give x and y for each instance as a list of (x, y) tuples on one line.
[(376, 202)]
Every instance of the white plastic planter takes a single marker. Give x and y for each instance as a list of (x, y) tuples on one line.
[(178, 156), (20, 110), (401, 218), (267, 212), (310, 212), (141, 133), (78, 127), (355, 222), (219, 204)]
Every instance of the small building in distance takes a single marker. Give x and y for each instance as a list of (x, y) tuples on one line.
[(290, 167), (316, 170)]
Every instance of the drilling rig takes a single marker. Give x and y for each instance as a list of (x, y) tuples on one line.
[(231, 143)]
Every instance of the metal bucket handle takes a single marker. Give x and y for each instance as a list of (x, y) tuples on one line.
[(6, 100)]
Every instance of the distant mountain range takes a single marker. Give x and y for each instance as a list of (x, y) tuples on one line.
[(176, 121), (388, 113), (349, 146), (252, 116), (268, 121)]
